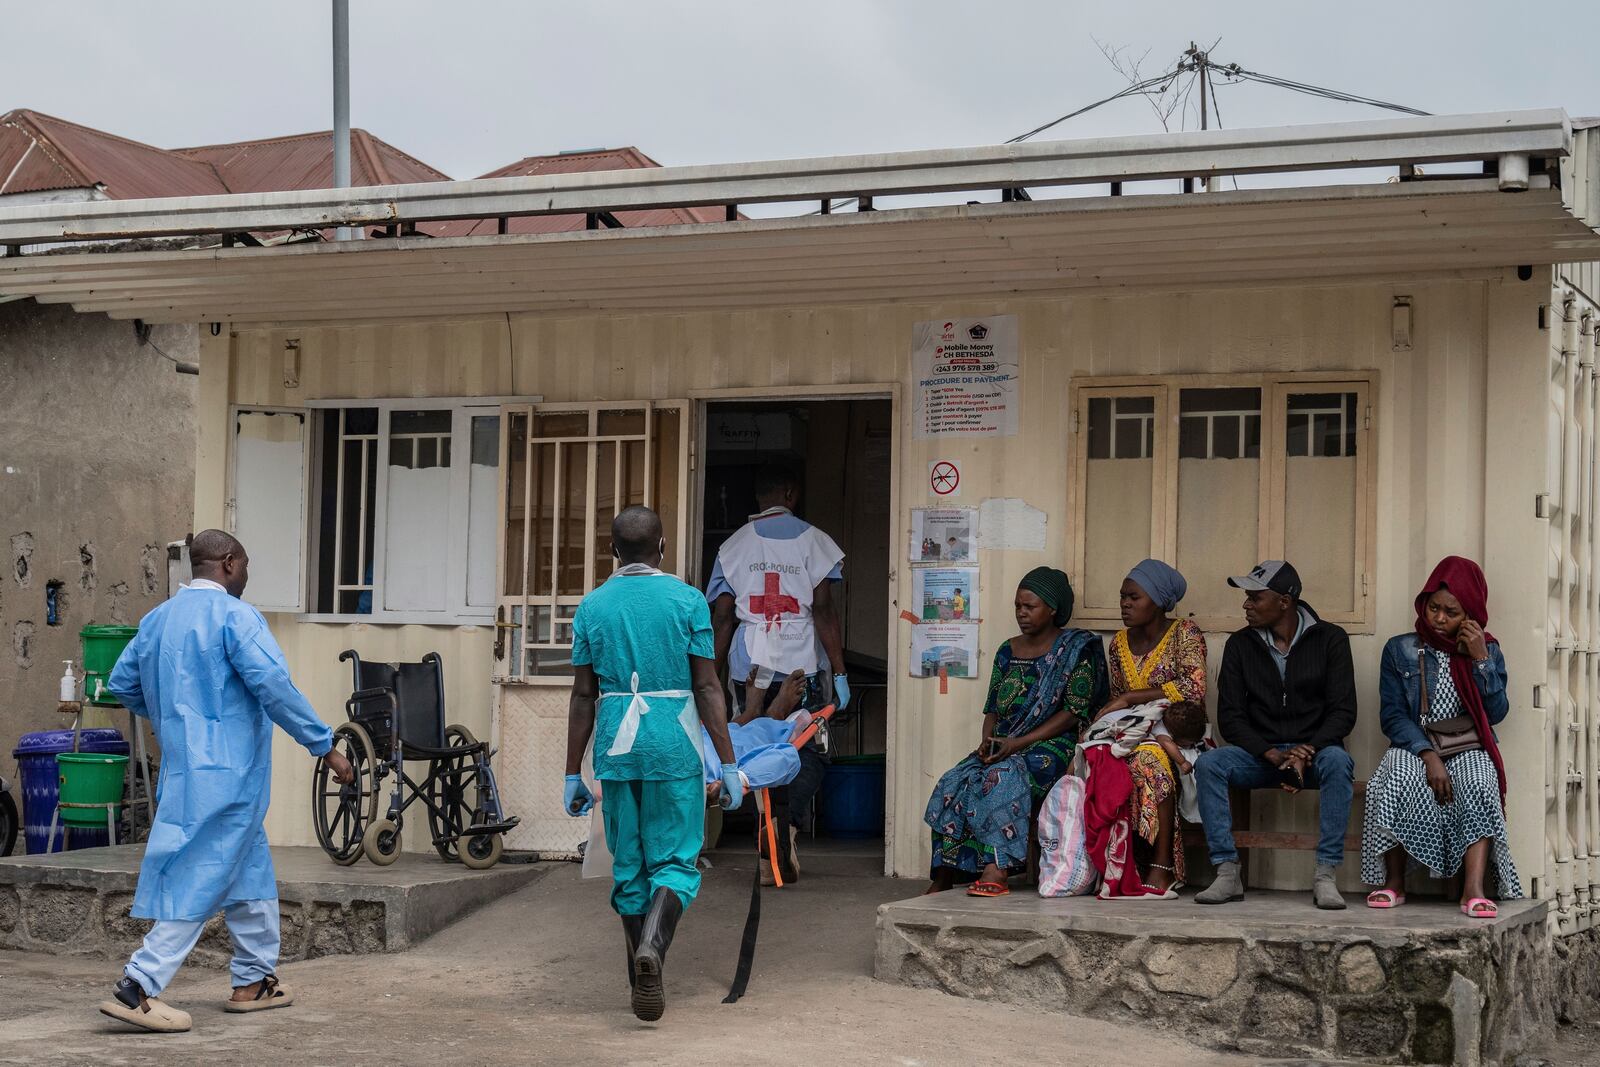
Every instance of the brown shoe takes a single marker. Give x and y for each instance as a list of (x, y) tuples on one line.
[(766, 872), (131, 1006), (794, 853)]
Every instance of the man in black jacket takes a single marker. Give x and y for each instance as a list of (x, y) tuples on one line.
[(1286, 700)]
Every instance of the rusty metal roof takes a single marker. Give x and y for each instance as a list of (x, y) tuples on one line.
[(305, 161), (599, 159), (41, 153)]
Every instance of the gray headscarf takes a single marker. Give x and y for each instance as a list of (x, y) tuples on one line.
[(1160, 582)]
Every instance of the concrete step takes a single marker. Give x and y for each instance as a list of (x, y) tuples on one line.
[(1269, 975), (76, 903)]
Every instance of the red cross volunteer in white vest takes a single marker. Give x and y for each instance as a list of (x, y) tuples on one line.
[(772, 607)]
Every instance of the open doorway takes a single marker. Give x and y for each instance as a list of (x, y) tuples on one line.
[(841, 452)]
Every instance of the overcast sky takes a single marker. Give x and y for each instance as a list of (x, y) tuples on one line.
[(470, 85)]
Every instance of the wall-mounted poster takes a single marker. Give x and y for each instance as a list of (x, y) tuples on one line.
[(944, 535), (967, 373), (946, 594), (948, 647)]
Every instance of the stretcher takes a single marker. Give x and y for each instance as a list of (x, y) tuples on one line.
[(765, 828)]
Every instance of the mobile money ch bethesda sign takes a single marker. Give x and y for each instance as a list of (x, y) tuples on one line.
[(966, 377)]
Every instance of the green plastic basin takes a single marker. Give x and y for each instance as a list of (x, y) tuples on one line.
[(90, 778)]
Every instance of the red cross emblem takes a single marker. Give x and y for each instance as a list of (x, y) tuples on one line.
[(772, 604)]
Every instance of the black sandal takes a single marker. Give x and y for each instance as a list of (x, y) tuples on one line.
[(272, 994)]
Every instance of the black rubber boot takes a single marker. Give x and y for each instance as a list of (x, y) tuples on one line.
[(649, 992), (632, 929)]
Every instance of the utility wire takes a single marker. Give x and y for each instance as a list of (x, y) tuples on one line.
[(1163, 80), (1216, 110), (1202, 69), (1236, 71)]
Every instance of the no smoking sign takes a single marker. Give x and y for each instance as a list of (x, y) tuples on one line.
[(944, 478)]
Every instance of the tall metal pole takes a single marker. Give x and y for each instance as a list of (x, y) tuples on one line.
[(341, 101), (1203, 62)]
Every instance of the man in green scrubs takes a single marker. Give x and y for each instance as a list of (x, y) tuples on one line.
[(644, 682)]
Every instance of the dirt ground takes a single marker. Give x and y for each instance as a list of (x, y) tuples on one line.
[(538, 978)]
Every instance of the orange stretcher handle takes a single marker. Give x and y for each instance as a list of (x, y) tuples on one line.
[(817, 718), (772, 838)]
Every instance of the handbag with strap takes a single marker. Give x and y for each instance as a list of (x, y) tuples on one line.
[(1452, 736)]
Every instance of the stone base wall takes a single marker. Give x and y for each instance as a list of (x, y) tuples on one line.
[(67, 920), (1466, 997), (1575, 990)]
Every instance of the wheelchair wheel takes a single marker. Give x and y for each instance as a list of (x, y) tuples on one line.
[(8, 823), (342, 813), (481, 851), (381, 843), (452, 795)]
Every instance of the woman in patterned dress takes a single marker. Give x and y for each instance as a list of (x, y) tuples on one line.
[(1447, 815), (1154, 658), (1046, 681)]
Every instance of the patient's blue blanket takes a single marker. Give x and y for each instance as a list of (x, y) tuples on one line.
[(762, 749)]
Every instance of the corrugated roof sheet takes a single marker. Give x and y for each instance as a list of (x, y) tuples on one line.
[(305, 161), (600, 159), (48, 153), (40, 153)]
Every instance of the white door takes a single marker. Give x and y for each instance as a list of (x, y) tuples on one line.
[(567, 470)]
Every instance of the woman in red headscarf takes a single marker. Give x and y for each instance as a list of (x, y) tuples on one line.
[(1446, 812)]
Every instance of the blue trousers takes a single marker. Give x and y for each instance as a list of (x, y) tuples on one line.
[(1332, 772), (252, 927)]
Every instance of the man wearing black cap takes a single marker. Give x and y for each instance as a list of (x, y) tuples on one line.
[(1286, 700)]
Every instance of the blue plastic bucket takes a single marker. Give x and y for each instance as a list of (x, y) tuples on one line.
[(36, 766), (850, 803)]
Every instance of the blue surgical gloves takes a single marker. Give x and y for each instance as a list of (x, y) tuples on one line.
[(575, 796), (841, 691), (732, 787)]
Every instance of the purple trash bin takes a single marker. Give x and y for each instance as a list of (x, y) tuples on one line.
[(36, 765)]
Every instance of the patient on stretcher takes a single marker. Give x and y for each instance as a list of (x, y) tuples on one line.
[(763, 737)]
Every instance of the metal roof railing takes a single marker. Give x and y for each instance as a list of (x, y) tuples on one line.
[(1517, 147)]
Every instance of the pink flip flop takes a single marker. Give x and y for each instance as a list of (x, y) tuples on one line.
[(1480, 908), (1384, 899)]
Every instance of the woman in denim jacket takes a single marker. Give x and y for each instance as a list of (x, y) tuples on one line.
[(1445, 814)]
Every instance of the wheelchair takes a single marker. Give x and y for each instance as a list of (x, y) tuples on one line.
[(396, 713)]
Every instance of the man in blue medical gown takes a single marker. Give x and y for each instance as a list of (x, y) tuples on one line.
[(207, 673)]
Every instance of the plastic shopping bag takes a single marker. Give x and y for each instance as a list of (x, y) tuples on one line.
[(597, 854), (1065, 869)]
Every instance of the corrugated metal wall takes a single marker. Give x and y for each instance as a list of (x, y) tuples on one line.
[(1430, 402), (1580, 181), (1572, 799)]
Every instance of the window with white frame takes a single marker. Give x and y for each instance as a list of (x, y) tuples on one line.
[(404, 511), (1212, 474)]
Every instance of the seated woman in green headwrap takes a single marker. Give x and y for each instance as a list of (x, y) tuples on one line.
[(1046, 683)]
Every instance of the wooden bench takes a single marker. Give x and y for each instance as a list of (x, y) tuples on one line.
[(1245, 838)]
